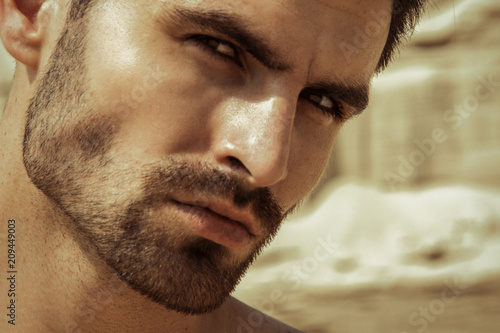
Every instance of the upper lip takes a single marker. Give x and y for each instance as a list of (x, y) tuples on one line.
[(227, 210)]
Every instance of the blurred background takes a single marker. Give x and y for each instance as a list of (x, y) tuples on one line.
[(433, 85), (403, 233), (7, 65)]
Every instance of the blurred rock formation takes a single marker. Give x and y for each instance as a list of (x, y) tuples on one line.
[(438, 85)]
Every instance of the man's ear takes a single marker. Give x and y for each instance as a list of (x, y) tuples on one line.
[(23, 27)]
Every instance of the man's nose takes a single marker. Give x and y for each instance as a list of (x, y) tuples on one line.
[(256, 139)]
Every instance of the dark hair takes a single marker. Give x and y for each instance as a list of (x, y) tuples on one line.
[(405, 16), (79, 8)]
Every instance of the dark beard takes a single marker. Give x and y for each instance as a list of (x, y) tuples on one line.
[(185, 273), (67, 156)]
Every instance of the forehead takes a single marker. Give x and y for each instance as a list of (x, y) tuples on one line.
[(337, 41), (300, 7)]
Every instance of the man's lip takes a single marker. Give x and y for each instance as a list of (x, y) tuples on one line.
[(226, 210)]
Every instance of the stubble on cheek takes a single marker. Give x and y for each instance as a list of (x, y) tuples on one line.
[(95, 137), (62, 155)]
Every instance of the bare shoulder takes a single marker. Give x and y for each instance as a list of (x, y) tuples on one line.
[(247, 319)]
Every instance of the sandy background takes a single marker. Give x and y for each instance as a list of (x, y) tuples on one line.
[(403, 234)]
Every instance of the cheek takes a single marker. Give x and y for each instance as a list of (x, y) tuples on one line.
[(168, 116), (162, 107), (309, 156), (161, 101)]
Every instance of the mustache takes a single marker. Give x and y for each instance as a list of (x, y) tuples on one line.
[(196, 178)]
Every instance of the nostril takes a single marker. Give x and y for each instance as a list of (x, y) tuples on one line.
[(236, 162)]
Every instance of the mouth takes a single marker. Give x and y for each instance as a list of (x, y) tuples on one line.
[(218, 221)]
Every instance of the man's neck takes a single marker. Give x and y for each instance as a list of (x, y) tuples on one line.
[(59, 287)]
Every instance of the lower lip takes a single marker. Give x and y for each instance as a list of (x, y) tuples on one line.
[(215, 227)]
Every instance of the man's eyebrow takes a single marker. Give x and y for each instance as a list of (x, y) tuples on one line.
[(232, 26), (355, 95)]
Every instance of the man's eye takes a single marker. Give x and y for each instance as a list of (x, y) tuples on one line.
[(322, 101), (326, 104), (218, 48)]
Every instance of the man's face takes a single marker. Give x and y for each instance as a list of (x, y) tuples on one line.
[(176, 135)]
